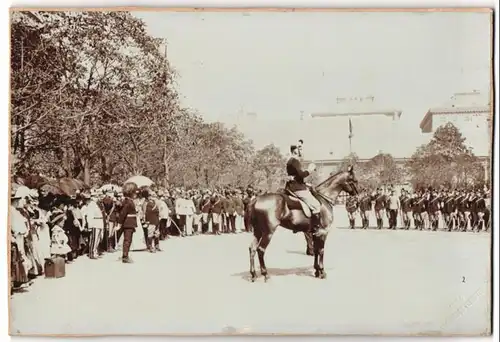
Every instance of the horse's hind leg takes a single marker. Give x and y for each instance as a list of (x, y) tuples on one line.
[(253, 249), (261, 250)]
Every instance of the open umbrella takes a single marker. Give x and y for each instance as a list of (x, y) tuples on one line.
[(14, 187), (22, 192), (71, 185), (140, 181)]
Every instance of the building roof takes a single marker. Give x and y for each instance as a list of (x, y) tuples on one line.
[(389, 112), (335, 161), (452, 111)]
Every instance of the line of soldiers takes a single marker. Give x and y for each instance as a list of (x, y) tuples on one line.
[(460, 210)]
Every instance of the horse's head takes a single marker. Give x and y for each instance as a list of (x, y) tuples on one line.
[(349, 183), (340, 181)]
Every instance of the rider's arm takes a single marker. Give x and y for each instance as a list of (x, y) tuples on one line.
[(298, 169)]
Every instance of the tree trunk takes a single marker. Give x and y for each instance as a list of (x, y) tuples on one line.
[(86, 171)]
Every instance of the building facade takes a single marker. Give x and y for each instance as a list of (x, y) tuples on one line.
[(471, 113)]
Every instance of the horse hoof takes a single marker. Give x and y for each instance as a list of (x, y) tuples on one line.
[(267, 278), (316, 274), (322, 275)]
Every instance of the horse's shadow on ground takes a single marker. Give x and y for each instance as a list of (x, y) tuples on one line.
[(306, 271), (297, 252)]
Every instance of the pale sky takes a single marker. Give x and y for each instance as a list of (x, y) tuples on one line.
[(279, 64)]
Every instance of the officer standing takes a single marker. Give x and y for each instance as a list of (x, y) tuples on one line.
[(351, 206), (380, 202), (365, 205)]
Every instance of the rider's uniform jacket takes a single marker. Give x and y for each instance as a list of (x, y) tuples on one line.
[(294, 169)]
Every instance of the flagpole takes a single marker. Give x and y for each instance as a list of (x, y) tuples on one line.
[(350, 137)]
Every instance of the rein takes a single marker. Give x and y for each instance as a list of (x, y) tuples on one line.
[(327, 199)]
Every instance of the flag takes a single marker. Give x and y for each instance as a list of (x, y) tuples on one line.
[(350, 129)]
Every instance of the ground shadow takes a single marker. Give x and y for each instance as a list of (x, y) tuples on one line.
[(297, 252), (306, 271)]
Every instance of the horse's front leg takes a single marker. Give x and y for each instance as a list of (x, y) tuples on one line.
[(319, 252)]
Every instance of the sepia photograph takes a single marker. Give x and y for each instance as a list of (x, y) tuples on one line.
[(250, 172)]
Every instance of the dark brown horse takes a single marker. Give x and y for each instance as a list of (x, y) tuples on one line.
[(269, 211)]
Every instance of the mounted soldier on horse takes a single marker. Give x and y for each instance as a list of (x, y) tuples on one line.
[(298, 208)]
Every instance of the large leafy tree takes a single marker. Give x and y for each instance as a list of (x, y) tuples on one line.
[(269, 168), (93, 97), (383, 170), (445, 160)]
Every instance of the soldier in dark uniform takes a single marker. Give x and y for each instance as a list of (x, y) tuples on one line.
[(206, 208), (127, 219), (351, 205), (365, 205), (405, 201), (481, 209), (297, 185), (448, 209), (216, 211), (151, 221), (197, 206), (473, 208), (239, 209), (433, 209), (417, 208), (380, 202), (113, 219), (462, 208), (108, 205), (229, 210)]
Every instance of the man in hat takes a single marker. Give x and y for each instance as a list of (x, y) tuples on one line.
[(239, 210), (216, 206), (405, 201), (196, 198), (380, 203), (230, 212), (95, 221), (108, 207), (206, 209), (393, 208), (164, 213), (297, 185), (365, 206), (448, 209), (351, 205), (151, 220), (433, 210)]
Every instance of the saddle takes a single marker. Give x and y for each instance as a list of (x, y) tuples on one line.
[(295, 203)]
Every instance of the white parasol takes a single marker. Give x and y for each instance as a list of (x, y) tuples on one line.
[(140, 181), (22, 192)]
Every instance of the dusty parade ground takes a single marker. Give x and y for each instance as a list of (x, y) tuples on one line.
[(392, 282)]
